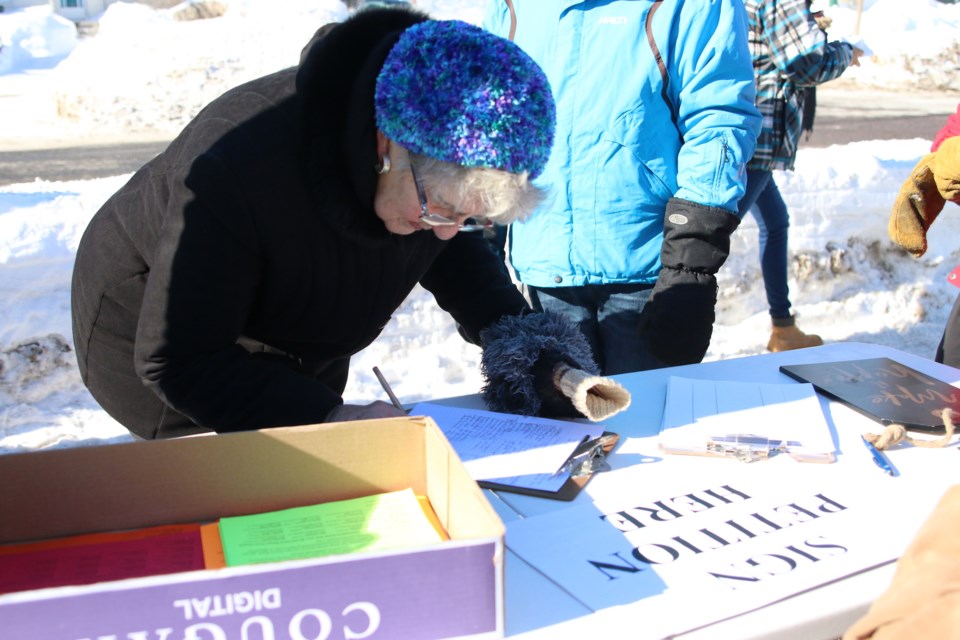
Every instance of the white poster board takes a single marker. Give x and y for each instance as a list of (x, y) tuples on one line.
[(678, 557)]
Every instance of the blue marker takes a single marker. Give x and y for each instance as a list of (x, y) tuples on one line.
[(882, 461)]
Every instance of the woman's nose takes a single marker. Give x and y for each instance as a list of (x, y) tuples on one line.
[(446, 232)]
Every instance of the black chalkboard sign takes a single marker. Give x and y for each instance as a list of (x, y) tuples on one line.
[(882, 389)]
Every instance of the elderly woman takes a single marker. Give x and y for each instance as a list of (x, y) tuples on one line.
[(227, 284)]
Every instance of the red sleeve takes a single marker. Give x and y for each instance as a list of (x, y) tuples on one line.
[(952, 128)]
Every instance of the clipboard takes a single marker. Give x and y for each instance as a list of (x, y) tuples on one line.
[(588, 458), (744, 421), (531, 455)]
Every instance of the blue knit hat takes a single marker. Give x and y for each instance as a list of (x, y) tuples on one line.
[(451, 91)]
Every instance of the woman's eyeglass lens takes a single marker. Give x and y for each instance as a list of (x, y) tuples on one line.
[(436, 220)]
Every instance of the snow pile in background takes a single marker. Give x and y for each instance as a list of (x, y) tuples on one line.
[(170, 69), (34, 34), (916, 43)]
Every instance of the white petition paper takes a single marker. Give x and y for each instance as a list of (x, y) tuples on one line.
[(520, 451)]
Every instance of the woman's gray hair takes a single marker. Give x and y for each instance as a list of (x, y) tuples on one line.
[(504, 197)]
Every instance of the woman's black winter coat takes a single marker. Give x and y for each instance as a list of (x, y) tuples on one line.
[(227, 284)]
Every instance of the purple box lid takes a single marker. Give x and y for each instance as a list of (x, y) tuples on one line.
[(444, 591)]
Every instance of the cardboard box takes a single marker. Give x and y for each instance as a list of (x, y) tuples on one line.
[(452, 589)]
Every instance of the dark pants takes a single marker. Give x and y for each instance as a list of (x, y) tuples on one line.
[(763, 199), (608, 316)]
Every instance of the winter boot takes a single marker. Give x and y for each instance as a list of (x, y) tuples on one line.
[(787, 336)]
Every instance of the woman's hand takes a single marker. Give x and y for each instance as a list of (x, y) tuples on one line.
[(372, 411), (857, 54)]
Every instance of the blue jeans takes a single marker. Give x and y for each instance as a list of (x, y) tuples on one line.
[(763, 199), (609, 317)]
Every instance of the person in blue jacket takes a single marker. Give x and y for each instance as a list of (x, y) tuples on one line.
[(790, 54), (655, 123)]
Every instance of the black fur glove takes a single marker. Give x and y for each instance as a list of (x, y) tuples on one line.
[(540, 364), (677, 321)]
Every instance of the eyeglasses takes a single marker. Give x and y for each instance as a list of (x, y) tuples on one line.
[(437, 220)]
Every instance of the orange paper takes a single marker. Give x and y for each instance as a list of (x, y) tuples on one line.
[(432, 516), (213, 557)]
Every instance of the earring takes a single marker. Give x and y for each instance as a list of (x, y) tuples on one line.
[(384, 165)]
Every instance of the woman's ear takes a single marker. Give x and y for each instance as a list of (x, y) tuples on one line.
[(383, 145), (383, 154)]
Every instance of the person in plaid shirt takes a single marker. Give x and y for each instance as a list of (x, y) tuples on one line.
[(790, 53)]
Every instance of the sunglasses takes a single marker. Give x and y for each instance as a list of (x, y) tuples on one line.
[(437, 220)]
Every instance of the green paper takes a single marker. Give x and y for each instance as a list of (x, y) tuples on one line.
[(371, 523)]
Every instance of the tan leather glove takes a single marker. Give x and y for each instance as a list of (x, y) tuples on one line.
[(917, 205), (946, 169), (923, 599), (594, 396), (933, 181)]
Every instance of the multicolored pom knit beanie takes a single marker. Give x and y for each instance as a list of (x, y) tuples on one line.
[(453, 92)]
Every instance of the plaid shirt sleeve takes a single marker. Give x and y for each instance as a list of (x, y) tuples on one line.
[(789, 52), (796, 46)]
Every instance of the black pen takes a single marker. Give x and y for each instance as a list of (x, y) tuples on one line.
[(879, 458), (386, 387)]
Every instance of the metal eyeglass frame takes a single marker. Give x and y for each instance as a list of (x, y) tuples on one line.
[(437, 220)]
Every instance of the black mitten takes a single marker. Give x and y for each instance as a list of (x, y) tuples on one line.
[(677, 320), (540, 364), (519, 356)]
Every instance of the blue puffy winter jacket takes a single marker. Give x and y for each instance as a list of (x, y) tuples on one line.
[(631, 135)]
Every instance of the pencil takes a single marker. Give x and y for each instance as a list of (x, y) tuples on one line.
[(386, 387)]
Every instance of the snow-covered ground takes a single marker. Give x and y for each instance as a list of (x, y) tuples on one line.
[(144, 75)]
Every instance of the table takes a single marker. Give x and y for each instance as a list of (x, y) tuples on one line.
[(824, 612)]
